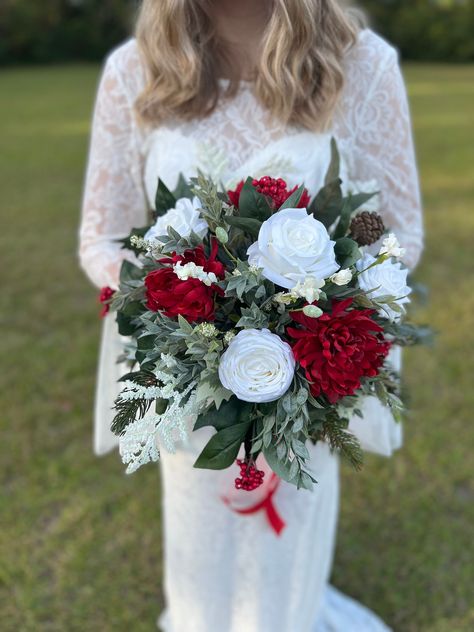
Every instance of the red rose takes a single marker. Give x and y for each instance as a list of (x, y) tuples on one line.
[(339, 348), (275, 189), (105, 296), (167, 293)]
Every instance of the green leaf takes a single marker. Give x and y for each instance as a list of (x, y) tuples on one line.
[(347, 252), (249, 225), (334, 164), (164, 199), (293, 200), (139, 232), (231, 412), (345, 218), (358, 199), (183, 188), (222, 449), (326, 206), (125, 318), (130, 272), (217, 394), (252, 203)]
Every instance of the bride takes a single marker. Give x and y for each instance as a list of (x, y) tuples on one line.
[(253, 87)]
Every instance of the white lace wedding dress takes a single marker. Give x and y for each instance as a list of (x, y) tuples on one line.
[(225, 572)]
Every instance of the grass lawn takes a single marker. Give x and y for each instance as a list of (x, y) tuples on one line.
[(80, 542)]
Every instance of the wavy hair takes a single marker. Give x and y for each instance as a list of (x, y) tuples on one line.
[(298, 78)]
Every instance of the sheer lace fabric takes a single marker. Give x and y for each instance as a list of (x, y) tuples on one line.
[(226, 572)]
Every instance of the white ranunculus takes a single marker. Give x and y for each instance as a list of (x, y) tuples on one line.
[(391, 247), (386, 278), (342, 277), (292, 245), (184, 218), (257, 366)]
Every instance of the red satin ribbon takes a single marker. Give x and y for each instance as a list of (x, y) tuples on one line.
[(275, 520)]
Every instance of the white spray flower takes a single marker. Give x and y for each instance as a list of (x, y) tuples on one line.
[(391, 247), (309, 289)]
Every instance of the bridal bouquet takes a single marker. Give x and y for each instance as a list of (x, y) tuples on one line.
[(258, 312)]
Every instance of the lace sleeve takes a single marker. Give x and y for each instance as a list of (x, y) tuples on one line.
[(385, 152), (114, 199)]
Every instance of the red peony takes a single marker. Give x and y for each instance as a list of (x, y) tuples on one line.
[(275, 189), (106, 293), (339, 348), (167, 293)]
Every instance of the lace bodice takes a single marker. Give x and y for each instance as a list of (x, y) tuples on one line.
[(371, 125)]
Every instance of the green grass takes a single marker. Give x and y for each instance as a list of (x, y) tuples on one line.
[(80, 542)]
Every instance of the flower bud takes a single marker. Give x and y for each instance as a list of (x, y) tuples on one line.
[(222, 235), (312, 311)]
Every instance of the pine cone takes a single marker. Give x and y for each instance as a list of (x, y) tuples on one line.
[(366, 228)]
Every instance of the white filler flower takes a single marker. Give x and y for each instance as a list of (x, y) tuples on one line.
[(291, 246), (258, 366), (184, 218), (310, 289), (391, 247), (386, 278)]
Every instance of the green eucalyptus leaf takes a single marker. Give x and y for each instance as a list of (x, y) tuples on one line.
[(347, 252)]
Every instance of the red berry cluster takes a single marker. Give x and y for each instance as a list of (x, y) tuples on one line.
[(250, 476), (276, 189), (105, 296)]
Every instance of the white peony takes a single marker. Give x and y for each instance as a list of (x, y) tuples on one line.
[(391, 247), (184, 218), (382, 279), (291, 246), (257, 366), (342, 277)]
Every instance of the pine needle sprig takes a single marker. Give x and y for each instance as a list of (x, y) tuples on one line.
[(128, 410), (343, 441)]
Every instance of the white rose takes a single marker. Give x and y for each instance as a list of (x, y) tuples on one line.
[(391, 247), (184, 218), (291, 246), (384, 278), (257, 366), (342, 277)]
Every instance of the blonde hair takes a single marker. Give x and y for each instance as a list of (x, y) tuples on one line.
[(299, 76)]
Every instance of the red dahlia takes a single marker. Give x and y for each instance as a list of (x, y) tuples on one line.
[(167, 293), (275, 189), (339, 348)]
